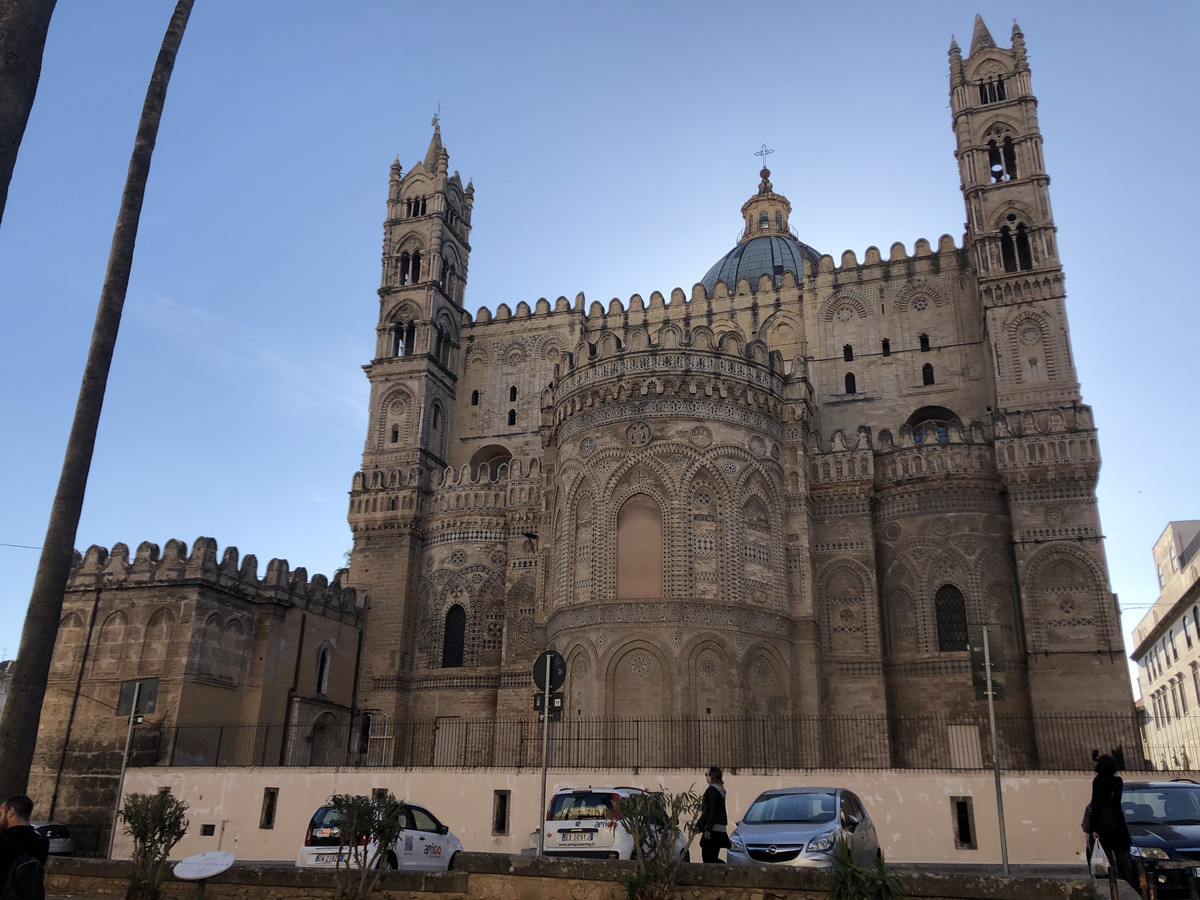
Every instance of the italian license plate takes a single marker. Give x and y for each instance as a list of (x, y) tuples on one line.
[(571, 837), (331, 858)]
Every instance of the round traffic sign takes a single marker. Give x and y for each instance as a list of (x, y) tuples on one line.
[(558, 670)]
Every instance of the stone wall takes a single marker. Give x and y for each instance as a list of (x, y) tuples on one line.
[(497, 877)]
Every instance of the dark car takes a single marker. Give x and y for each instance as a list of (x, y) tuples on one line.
[(1164, 824)]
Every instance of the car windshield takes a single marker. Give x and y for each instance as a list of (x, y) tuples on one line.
[(1168, 804), (812, 807), (581, 805)]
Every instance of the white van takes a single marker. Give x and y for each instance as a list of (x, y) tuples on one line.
[(582, 822)]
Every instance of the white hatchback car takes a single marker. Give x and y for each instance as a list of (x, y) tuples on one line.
[(424, 844), (581, 822)]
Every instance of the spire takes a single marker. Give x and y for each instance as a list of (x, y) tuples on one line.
[(956, 66), (435, 146), (1018, 46), (982, 38)]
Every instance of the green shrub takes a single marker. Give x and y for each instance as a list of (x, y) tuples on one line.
[(852, 881), (367, 829), (653, 819), (156, 823)]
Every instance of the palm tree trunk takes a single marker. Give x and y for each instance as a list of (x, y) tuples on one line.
[(23, 28), (22, 711)]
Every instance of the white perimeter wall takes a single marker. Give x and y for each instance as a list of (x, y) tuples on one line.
[(912, 811)]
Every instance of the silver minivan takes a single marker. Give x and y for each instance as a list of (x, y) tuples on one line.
[(801, 827)]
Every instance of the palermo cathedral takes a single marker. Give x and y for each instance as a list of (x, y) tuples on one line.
[(785, 492), (783, 496)]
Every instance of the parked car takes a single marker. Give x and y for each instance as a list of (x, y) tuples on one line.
[(801, 826), (425, 844), (583, 822), (59, 836), (1164, 824)]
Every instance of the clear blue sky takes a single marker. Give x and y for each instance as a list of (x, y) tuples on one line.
[(611, 146)]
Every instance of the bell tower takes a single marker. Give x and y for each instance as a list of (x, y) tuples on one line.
[(1010, 227), (1045, 441), (415, 370)]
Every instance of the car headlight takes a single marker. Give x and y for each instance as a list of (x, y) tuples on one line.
[(824, 843), (1148, 852), (737, 843)]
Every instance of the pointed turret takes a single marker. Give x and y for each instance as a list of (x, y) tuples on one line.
[(982, 38), (956, 63), (1021, 63)]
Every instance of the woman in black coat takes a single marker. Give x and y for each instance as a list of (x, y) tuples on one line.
[(714, 821), (1108, 819)]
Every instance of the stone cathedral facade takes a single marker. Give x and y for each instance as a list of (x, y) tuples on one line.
[(784, 493)]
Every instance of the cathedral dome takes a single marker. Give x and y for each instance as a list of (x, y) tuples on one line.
[(771, 255), (767, 245)]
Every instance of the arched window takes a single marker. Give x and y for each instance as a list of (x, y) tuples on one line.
[(762, 221), (323, 671), (1009, 154), (847, 353), (423, 206), (1024, 255), (416, 263), (927, 374), (924, 343), (454, 637), (778, 220), (405, 267), (887, 347), (639, 549), (437, 416), (512, 394), (512, 417), (951, 611), (395, 434), (850, 385), (1187, 635), (474, 398)]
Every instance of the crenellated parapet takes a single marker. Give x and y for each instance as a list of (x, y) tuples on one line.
[(100, 568), (1057, 444)]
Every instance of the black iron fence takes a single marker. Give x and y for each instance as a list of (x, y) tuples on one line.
[(1061, 742)]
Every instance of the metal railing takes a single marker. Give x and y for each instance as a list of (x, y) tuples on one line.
[(1060, 742)]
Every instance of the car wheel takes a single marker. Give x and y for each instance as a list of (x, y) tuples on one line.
[(388, 863), (450, 865)]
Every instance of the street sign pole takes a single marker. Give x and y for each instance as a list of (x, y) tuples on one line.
[(987, 665), (133, 715), (545, 761)]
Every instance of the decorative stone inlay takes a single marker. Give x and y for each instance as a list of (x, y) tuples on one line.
[(675, 638), (892, 532), (708, 666), (739, 642), (1030, 334), (687, 615), (639, 664), (1067, 605), (673, 409), (763, 673), (920, 303), (499, 557), (845, 314), (429, 564), (1053, 515), (729, 467), (700, 436), (638, 434), (524, 624), (941, 527), (587, 447), (758, 446), (601, 640), (1063, 571)]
